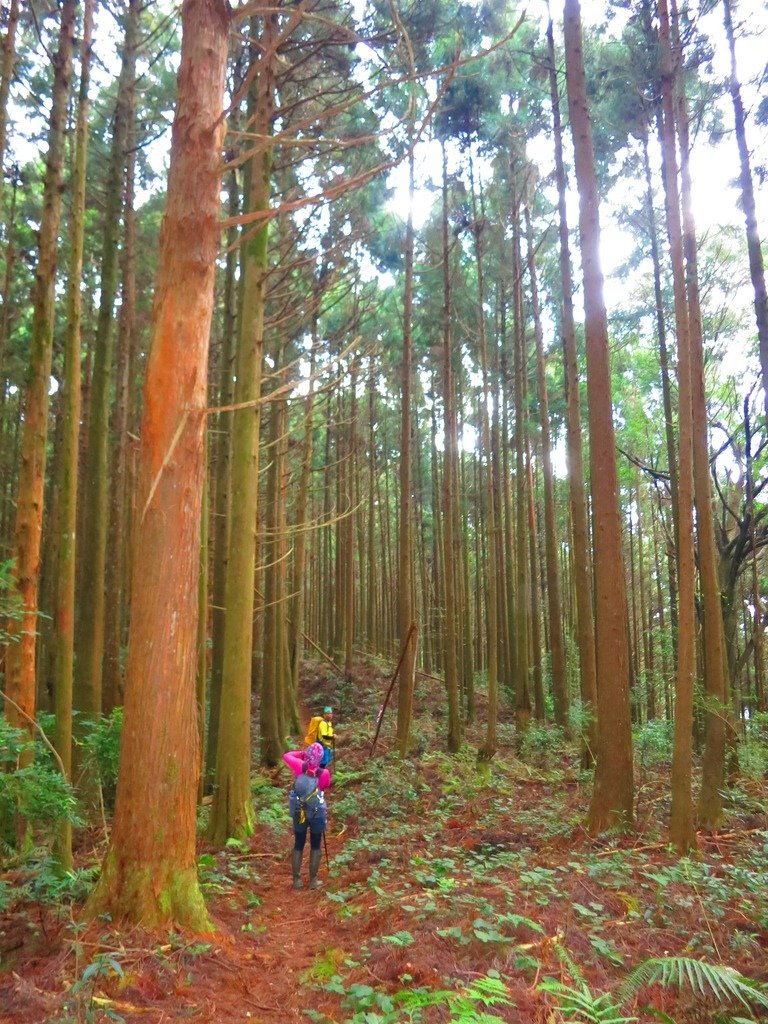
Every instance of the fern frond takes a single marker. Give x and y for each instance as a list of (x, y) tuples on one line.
[(565, 957), (723, 983), (580, 1006)]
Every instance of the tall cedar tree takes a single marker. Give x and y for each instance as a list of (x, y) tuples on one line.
[(582, 562), (150, 871), (613, 791)]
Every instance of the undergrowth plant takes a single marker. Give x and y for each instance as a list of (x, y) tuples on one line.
[(36, 794), (100, 741), (724, 986), (467, 1004)]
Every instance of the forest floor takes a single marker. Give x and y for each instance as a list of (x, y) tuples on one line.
[(451, 885)]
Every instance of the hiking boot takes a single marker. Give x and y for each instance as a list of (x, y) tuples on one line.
[(314, 865), (296, 865)]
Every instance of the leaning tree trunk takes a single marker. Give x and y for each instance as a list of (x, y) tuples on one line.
[(20, 680), (613, 792), (150, 871), (68, 452)]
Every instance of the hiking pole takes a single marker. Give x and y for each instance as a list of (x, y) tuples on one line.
[(325, 844), (391, 686)]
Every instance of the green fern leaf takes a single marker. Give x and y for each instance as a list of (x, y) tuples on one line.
[(723, 983)]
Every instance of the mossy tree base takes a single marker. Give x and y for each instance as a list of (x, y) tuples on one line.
[(153, 896)]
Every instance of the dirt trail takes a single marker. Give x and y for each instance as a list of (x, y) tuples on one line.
[(267, 967), (252, 969)]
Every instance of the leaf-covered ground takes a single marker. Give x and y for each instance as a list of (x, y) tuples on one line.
[(455, 892)]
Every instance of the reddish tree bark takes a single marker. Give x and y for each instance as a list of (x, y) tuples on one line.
[(612, 797), (150, 874)]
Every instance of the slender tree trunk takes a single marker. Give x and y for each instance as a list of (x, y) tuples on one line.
[(757, 633), (710, 808), (11, 256), (405, 615), (348, 525), (557, 645), (223, 465), (150, 871), (68, 452), (232, 811), (539, 702), (20, 680), (490, 561), (576, 474), (119, 521), (682, 829), (91, 604), (754, 247), (613, 792), (450, 639), (522, 583), (644, 620), (295, 639), (371, 589), (6, 73)]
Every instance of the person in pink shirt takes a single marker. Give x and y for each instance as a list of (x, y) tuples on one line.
[(308, 809)]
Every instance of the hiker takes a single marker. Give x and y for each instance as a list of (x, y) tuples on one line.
[(320, 730), (308, 810), (325, 736)]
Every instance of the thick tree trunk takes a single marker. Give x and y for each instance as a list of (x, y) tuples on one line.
[(613, 792), (20, 680), (150, 871)]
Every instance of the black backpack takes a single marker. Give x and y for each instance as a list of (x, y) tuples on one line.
[(306, 803)]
